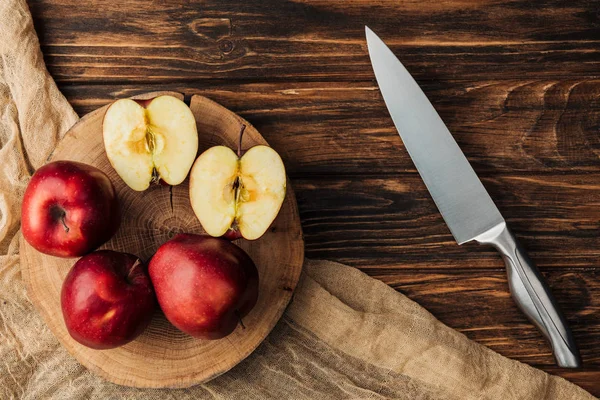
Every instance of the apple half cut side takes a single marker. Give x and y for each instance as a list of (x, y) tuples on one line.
[(232, 194), (150, 140)]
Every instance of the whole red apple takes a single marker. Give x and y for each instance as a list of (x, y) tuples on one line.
[(107, 299), (69, 209), (204, 285)]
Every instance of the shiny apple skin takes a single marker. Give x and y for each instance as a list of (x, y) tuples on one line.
[(80, 193), (107, 299), (204, 285)]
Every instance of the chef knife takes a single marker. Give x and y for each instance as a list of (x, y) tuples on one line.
[(465, 205)]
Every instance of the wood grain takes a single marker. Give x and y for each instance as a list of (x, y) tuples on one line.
[(517, 83), (478, 304), (333, 128), (163, 356), (491, 317), (155, 41), (392, 222)]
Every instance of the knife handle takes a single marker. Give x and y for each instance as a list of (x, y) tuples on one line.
[(532, 295)]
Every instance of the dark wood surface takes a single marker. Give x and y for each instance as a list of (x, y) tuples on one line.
[(517, 82)]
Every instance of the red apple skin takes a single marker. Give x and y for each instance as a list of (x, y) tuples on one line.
[(204, 285), (80, 194), (107, 299), (144, 103), (232, 234)]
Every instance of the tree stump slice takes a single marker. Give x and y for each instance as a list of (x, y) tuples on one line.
[(163, 356)]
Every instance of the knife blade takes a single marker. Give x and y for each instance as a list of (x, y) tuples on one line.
[(461, 198)]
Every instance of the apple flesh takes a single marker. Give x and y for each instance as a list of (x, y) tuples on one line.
[(69, 209), (204, 285), (150, 140), (107, 299), (231, 193)]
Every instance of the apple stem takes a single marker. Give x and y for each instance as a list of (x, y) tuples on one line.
[(155, 177), (62, 219), (239, 152), (135, 264), (237, 313)]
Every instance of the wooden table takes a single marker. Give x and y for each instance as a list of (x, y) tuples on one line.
[(517, 83)]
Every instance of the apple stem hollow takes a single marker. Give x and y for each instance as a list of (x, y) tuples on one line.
[(239, 149), (57, 212)]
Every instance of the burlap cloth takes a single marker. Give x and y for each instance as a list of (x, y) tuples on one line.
[(344, 336)]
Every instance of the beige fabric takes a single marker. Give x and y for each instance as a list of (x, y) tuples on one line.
[(345, 335)]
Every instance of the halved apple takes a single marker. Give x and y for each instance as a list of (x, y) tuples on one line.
[(237, 196), (150, 140)]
